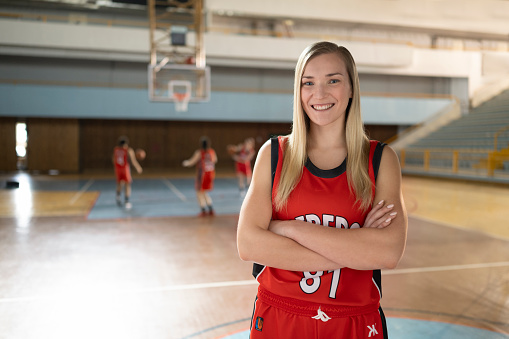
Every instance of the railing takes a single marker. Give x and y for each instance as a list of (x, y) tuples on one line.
[(497, 134), (443, 159), (455, 161)]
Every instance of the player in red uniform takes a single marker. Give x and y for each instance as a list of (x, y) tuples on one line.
[(243, 154), (329, 218), (123, 156), (205, 159)]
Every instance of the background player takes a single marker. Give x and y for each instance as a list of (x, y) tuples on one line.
[(242, 154), (123, 156), (205, 160)]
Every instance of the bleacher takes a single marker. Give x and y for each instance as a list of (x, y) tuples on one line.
[(475, 145)]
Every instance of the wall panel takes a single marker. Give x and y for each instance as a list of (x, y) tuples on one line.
[(167, 143), (53, 144), (8, 144), (381, 132)]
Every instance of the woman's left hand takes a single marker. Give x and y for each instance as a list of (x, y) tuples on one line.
[(380, 215)]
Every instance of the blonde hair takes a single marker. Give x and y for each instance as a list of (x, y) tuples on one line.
[(295, 154)]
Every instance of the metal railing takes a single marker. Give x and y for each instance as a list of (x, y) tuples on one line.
[(452, 160), (497, 134), (443, 159)]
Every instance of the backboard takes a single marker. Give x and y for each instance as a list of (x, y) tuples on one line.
[(167, 82)]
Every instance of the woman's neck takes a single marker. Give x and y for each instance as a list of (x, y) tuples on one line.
[(326, 137), (326, 147)]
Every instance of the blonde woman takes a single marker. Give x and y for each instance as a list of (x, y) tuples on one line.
[(324, 212)]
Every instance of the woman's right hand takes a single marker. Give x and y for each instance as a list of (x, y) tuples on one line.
[(380, 215)]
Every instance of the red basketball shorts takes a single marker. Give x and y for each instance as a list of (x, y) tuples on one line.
[(285, 318), (123, 174), (243, 168), (205, 181)]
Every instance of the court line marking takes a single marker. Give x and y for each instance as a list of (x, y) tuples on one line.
[(445, 268), (174, 189), (98, 292), (81, 191)]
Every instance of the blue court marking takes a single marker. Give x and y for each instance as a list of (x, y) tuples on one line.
[(163, 197), (400, 328)]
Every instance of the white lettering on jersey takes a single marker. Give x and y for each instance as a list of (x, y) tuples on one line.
[(208, 164), (313, 218), (310, 282), (327, 220), (341, 222), (119, 155)]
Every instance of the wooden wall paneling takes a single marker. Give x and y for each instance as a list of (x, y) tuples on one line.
[(381, 132), (8, 157), (167, 143), (181, 142), (53, 144), (152, 136)]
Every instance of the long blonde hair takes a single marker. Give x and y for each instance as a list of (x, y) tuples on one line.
[(295, 154)]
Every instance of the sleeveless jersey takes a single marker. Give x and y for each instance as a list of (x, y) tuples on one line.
[(244, 154), (243, 163), (121, 157), (323, 197), (206, 162)]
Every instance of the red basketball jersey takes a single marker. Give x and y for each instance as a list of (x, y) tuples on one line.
[(205, 170), (243, 163), (206, 163), (122, 168), (121, 157), (323, 197)]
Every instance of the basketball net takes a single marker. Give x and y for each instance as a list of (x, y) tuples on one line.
[(181, 101), (181, 98)]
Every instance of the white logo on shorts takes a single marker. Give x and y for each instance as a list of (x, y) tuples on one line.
[(322, 316), (372, 331)]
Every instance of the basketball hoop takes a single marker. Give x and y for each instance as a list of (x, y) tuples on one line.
[(181, 100), (180, 92)]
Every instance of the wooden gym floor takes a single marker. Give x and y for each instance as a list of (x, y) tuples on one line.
[(75, 265)]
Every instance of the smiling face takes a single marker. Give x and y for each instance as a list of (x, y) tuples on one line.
[(325, 90)]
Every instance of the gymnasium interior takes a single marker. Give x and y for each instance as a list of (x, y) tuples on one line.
[(75, 75)]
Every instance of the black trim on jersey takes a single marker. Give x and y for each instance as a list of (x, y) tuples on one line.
[(377, 157), (326, 174), (252, 316), (377, 277), (274, 155), (257, 269), (335, 172), (377, 274), (384, 323)]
